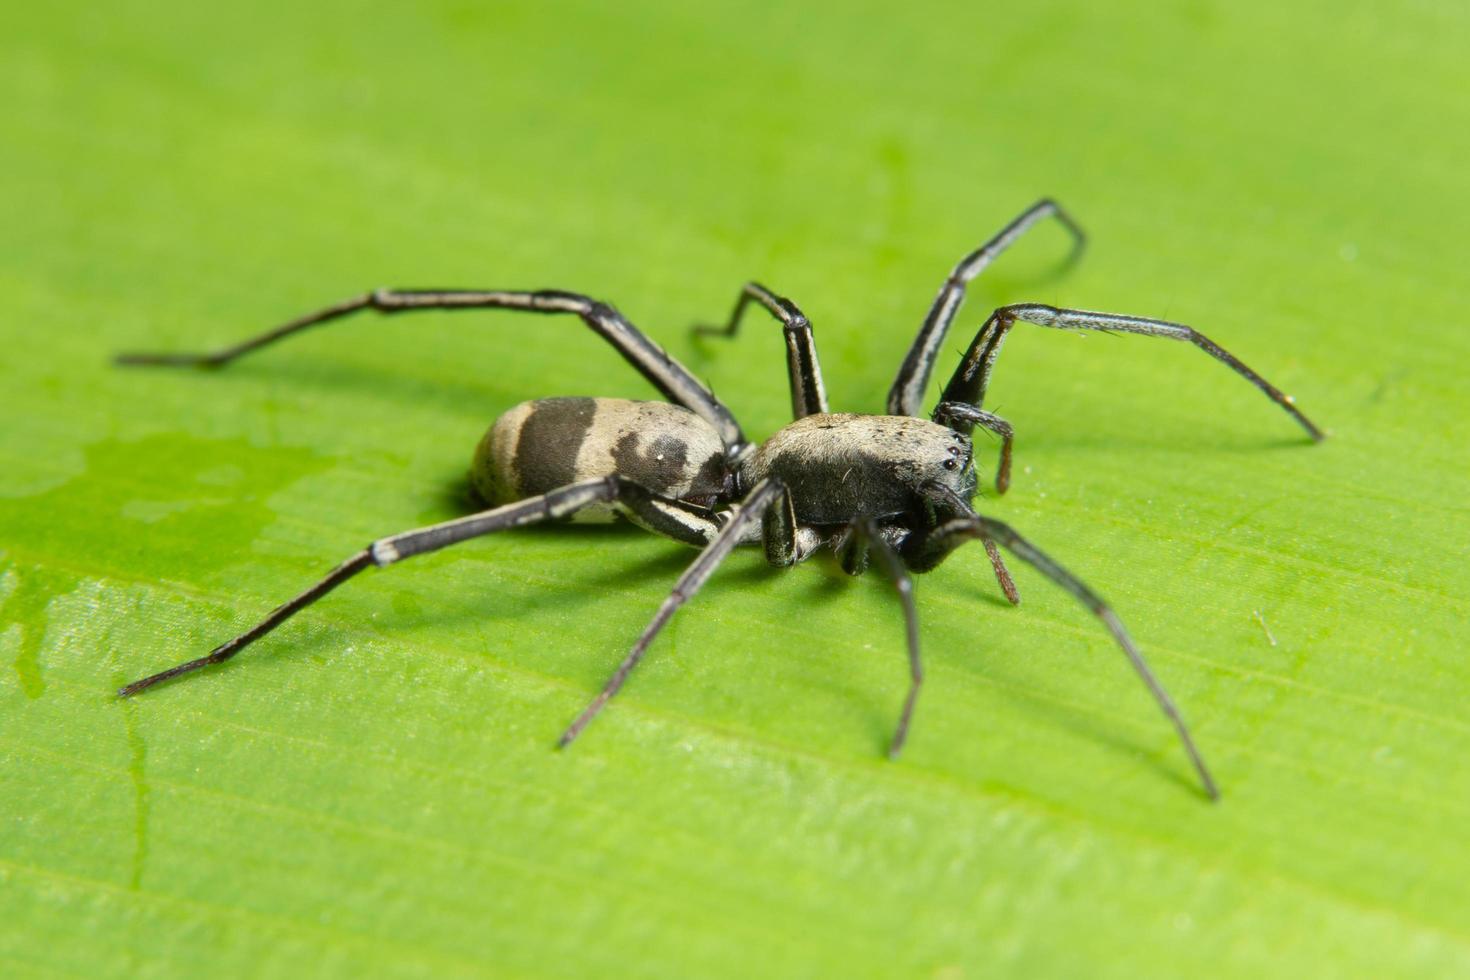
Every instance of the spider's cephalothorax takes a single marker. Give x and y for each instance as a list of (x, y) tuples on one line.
[(894, 489)]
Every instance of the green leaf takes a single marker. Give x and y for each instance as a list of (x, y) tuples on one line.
[(374, 789)]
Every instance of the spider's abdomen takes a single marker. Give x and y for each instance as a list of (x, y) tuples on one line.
[(839, 467), (540, 445)]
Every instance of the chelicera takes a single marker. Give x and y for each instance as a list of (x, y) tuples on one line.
[(891, 490)]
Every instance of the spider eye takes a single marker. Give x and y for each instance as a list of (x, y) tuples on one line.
[(951, 464)]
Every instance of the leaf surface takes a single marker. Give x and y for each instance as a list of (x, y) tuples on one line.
[(374, 789)]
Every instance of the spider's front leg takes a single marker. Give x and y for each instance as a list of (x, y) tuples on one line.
[(963, 418), (907, 394), (924, 549), (931, 547), (971, 379)]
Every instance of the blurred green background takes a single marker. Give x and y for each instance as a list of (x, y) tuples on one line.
[(375, 789)]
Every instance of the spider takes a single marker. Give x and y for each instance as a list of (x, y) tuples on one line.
[(893, 490)]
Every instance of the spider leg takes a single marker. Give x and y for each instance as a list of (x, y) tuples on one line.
[(670, 377), (950, 535), (1002, 574), (872, 539), (746, 517), (808, 394), (951, 413), (925, 549), (563, 502), (906, 397), (973, 375), (779, 532)]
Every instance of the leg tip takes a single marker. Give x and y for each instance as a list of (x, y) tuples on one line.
[(128, 690), (137, 359)]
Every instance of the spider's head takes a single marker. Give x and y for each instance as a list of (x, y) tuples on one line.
[(956, 469), (938, 458)]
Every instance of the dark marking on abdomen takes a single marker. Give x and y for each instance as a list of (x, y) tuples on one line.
[(660, 468), (546, 452)]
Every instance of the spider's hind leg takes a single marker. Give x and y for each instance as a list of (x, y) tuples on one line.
[(558, 504), (670, 377)]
